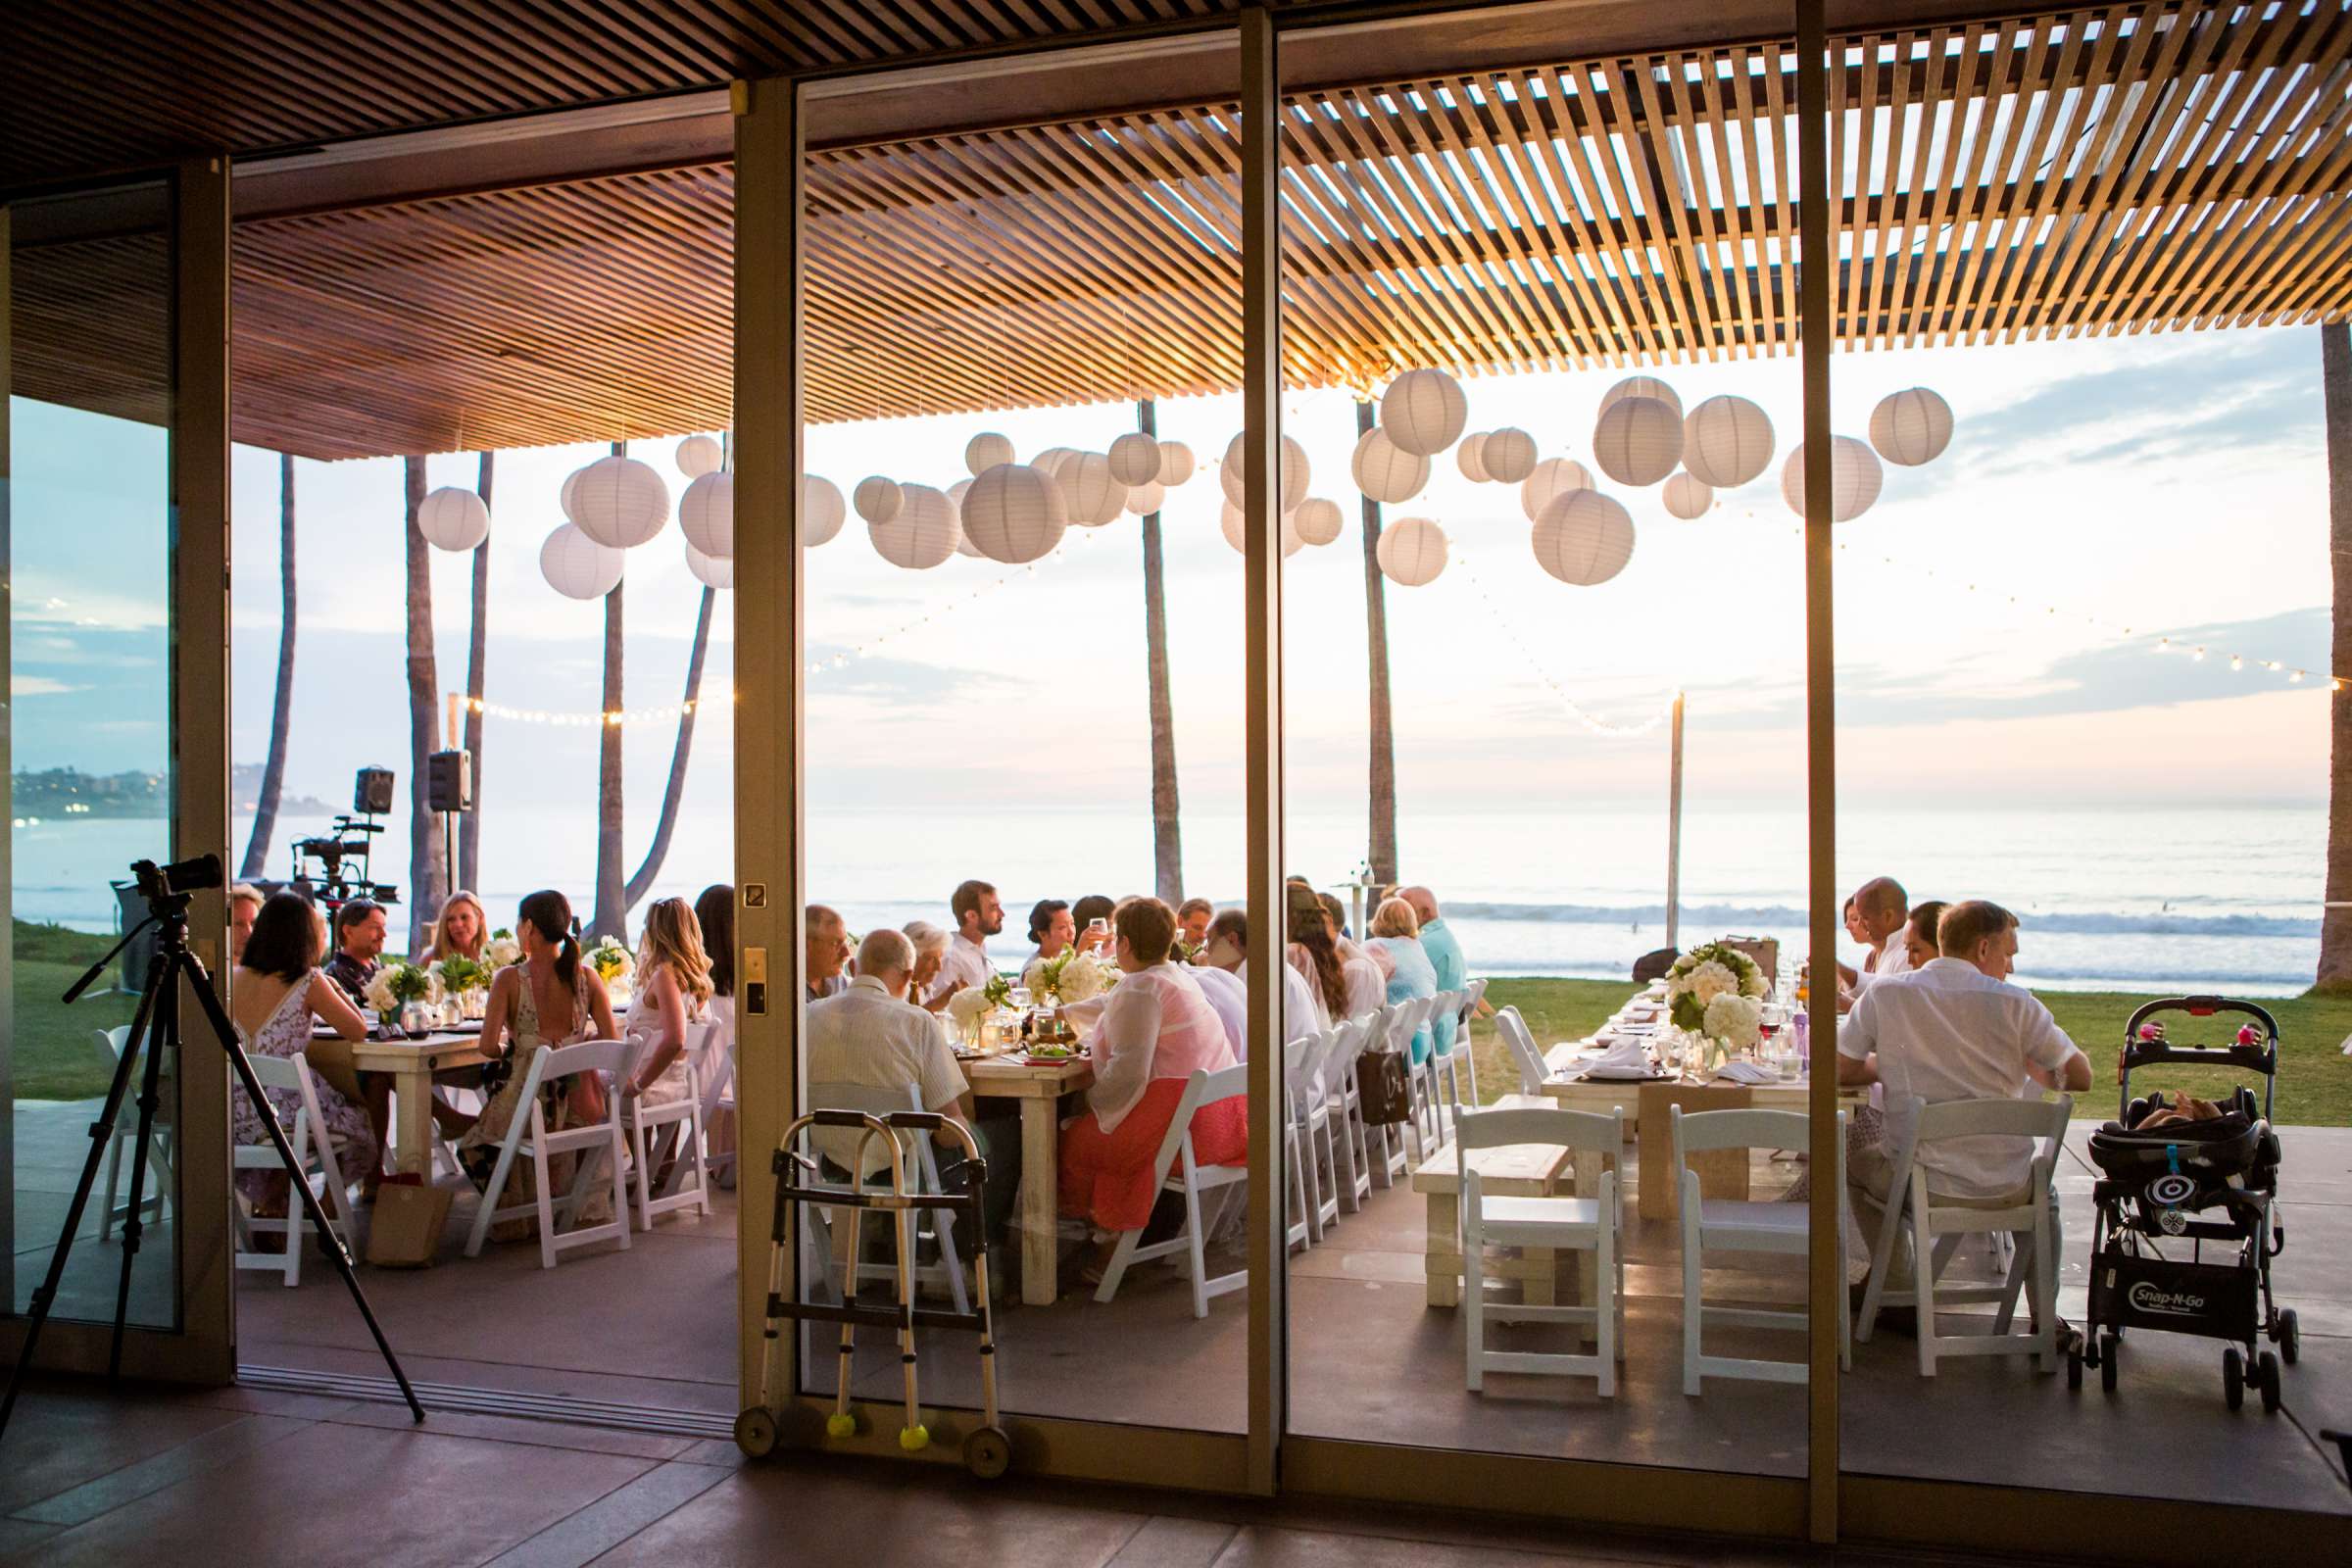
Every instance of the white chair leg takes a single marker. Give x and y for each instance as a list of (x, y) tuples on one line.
[(113, 1159), (1607, 1283), (539, 1194), (1691, 1291), (1474, 1300), (1923, 1280), (1193, 1234), (1116, 1269), (621, 1184)]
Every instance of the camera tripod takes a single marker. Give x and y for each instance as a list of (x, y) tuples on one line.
[(155, 1029)]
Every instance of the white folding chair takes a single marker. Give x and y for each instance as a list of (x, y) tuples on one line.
[(673, 1133), (1384, 1146), (718, 1095), (110, 1044), (1350, 1150), (1473, 992), (1534, 1070), (594, 1143), (1315, 1191), (1745, 1225), (922, 1174), (1442, 1071), (312, 1148), (1938, 1224), (1563, 1224), (1174, 1170)]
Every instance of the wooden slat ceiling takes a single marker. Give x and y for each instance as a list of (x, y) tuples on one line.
[(2110, 169)]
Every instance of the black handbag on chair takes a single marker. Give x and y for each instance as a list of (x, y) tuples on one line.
[(1381, 1082)]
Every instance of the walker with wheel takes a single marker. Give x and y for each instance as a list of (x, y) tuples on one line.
[(987, 1452)]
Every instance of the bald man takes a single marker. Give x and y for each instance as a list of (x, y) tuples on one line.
[(1881, 910), (1445, 955)]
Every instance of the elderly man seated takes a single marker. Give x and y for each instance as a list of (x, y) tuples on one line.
[(1955, 1029), (1881, 909), (872, 1037)]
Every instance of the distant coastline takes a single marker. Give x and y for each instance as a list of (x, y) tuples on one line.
[(68, 791)]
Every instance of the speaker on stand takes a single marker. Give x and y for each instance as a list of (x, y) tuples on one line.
[(449, 790)]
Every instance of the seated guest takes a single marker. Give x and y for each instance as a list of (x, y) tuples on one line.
[(871, 1037), (1226, 944), (1083, 915), (1445, 958), (930, 953), (1396, 932), (1316, 956), (979, 914), (1156, 1032), (826, 952), (275, 995), (672, 990), (244, 903), (1050, 927), (361, 928), (1955, 1029), (1193, 917), (1920, 934), (1228, 953), (714, 914), (462, 931), (1366, 982), (1880, 910)]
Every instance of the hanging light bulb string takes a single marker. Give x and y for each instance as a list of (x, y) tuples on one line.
[(1496, 617), (2155, 642), (929, 617)]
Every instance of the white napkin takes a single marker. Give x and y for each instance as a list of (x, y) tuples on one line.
[(1747, 1072), (1623, 1059)]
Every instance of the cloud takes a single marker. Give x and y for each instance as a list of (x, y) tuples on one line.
[(39, 686), (904, 682)]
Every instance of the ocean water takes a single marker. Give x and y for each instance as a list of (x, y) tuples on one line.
[(2223, 898)]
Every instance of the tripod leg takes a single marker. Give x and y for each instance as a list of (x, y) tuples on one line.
[(163, 1031), (225, 1033), (102, 1134)]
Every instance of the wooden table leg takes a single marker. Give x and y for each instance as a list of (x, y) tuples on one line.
[(1444, 1245), (1588, 1168), (412, 1124), (1040, 1198)]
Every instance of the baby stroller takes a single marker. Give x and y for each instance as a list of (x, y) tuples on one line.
[(2206, 1186)]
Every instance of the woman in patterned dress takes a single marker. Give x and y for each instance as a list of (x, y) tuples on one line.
[(276, 994)]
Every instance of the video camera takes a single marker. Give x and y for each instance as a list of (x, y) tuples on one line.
[(178, 879)]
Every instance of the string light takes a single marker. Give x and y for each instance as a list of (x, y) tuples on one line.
[(1458, 560)]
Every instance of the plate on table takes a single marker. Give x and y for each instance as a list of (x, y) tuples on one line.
[(1047, 1056), (1620, 1075)]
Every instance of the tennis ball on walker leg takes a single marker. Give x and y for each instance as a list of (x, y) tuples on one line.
[(841, 1423), (914, 1439)]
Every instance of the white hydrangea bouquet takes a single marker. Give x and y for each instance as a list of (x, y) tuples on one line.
[(399, 983), (1715, 994), (502, 950), (966, 1007), (1070, 976)]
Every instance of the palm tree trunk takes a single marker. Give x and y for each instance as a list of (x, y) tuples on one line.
[(1168, 846), (1383, 852), (282, 712), (470, 824), (425, 701), (2335, 921), (675, 790), (612, 906)]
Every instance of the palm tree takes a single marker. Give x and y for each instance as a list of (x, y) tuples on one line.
[(470, 824), (1167, 848), (282, 712), (1383, 852), (612, 906), (2335, 921), (425, 701), (675, 790)]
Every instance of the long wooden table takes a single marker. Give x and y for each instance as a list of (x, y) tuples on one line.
[(1037, 1087), (412, 1065), (1516, 1170)]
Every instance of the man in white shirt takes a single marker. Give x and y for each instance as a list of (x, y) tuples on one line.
[(1223, 975), (1955, 1029), (979, 914), (871, 1037), (1881, 910), (827, 952)]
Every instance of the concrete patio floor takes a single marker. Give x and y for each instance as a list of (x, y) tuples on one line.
[(1371, 1362)]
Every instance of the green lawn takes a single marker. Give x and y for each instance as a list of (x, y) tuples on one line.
[(2315, 1077), (53, 1056)]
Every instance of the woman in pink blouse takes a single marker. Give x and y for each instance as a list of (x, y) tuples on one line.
[(1157, 1031)]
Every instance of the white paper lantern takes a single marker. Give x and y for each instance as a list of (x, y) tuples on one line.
[(713, 572), (1553, 478), (1092, 492), (1318, 520), (922, 534), (707, 515), (877, 499), (453, 517), (1638, 440), (620, 503), (1295, 473), (1726, 442), (1411, 551), (578, 566), (1685, 498), (1143, 500), (822, 511), (1639, 386), (1508, 454), (1583, 537), (1135, 458), (1467, 457), (1232, 522), (1014, 514), (963, 544), (985, 450), (1050, 460), (1176, 464), (1384, 471), (1424, 412), (571, 488), (1911, 427), (1855, 478), (699, 455)]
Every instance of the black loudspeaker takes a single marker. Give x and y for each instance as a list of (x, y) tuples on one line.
[(371, 792), (449, 781)]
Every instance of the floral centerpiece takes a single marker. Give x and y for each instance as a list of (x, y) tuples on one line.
[(1715, 994), (615, 966), (502, 950), (1069, 976), (996, 991), (399, 985), (466, 981), (967, 1008)]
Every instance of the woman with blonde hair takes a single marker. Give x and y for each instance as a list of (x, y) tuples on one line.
[(673, 990), (1397, 931), (462, 931)]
